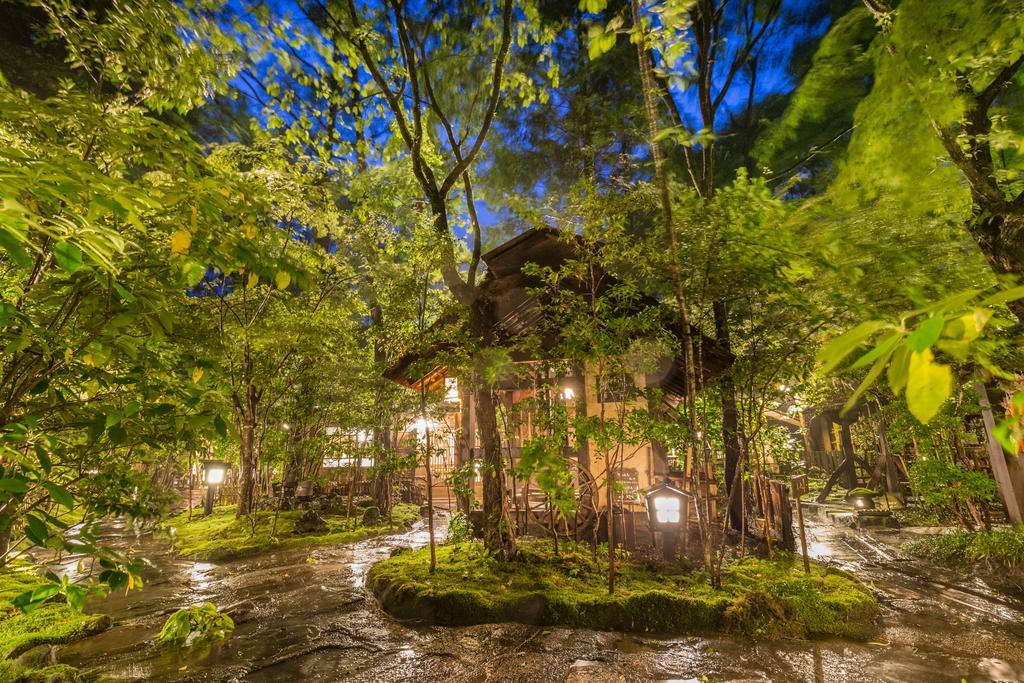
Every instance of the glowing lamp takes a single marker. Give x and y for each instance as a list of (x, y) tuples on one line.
[(666, 506), (214, 472), (667, 510)]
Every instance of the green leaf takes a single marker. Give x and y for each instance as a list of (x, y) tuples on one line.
[(117, 434), (37, 531), (833, 353), (898, 367), (13, 485), (76, 596), (883, 347), (69, 257), (43, 457), (926, 334), (929, 384), (873, 374), (1004, 435), (59, 494), (14, 249), (1004, 296), (125, 295), (221, 426)]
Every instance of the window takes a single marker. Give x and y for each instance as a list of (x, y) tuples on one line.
[(615, 388), (346, 461), (451, 389)]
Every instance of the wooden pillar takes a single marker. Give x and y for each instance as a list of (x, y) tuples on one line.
[(849, 470), (1005, 470)]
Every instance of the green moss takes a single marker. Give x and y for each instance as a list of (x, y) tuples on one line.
[(52, 623), (10, 672), (221, 536), (758, 597)]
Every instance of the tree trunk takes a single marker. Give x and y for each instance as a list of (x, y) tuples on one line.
[(247, 455), (730, 419), (464, 452), (247, 470), (497, 532), (847, 467), (1000, 236)]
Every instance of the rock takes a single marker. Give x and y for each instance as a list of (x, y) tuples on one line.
[(310, 523), (371, 516), (38, 656)]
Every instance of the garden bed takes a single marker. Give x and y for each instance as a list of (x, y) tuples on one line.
[(222, 536), (758, 598)]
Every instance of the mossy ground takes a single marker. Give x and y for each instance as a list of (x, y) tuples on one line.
[(54, 622), (758, 598), (221, 536)]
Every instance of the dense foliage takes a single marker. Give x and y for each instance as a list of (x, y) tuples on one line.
[(222, 223)]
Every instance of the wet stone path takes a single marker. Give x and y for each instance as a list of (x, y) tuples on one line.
[(305, 616)]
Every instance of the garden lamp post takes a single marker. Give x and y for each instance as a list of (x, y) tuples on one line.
[(668, 512), (213, 477)]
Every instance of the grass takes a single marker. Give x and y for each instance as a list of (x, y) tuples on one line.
[(222, 537), (999, 548), (54, 622), (759, 598)]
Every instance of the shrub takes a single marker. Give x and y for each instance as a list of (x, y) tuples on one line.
[(947, 487), (1004, 547), (460, 529), (196, 624)]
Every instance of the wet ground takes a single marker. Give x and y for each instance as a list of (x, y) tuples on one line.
[(305, 616)]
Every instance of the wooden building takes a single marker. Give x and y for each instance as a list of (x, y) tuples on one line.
[(518, 299)]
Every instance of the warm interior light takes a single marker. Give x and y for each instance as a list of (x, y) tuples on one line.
[(214, 476), (568, 394), (666, 509), (451, 388)]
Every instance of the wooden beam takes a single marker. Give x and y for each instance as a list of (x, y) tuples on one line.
[(1007, 473)]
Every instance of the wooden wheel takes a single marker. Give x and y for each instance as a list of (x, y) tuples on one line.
[(538, 511)]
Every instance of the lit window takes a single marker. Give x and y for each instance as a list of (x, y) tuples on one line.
[(451, 389)]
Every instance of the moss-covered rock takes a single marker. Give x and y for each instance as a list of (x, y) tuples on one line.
[(11, 672), (758, 598), (24, 637)]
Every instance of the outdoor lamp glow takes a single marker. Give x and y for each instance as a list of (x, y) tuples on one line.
[(665, 507), (667, 511), (568, 394), (213, 476), (214, 471)]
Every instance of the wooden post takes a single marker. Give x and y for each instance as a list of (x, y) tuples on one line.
[(668, 546), (1010, 486), (799, 489)]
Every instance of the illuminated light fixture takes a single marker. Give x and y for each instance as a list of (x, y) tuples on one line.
[(666, 510), (214, 472), (568, 393)]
